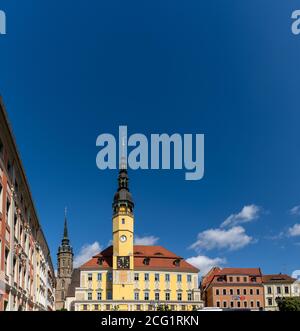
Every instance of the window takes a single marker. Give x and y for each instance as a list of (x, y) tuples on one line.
[(190, 297), (90, 295), (278, 290), (239, 304), (217, 292), (286, 290), (231, 304), (231, 279), (270, 302), (238, 291), (225, 304), (245, 279), (167, 277), (99, 277), (245, 291), (252, 304), (90, 276), (218, 303), (109, 276), (251, 291), (224, 291), (84, 307), (146, 277), (99, 296), (167, 296), (179, 278), (231, 291), (257, 291), (189, 278), (245, 304), (156, 296), (146, 296), (136, 276), (238, 279), (258, 304), (6, 264), (96, 307), (179, 296), (109, 295), (269, 290), (156, 277), (123, 220), (136, 296)]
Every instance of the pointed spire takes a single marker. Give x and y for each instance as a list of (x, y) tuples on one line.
[(66, 225)]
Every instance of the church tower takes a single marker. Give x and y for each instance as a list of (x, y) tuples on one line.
[(123, 231), (65, 268)]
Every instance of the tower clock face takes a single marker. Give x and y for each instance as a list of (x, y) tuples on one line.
[(123, 238), (123, 262)]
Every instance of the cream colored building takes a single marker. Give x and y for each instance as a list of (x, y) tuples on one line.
[(277, 286)]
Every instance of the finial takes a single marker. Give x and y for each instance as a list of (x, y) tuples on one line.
[(123, 163), (66, 212)]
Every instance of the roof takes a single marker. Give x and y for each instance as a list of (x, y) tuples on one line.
[(216, 271), (159, 259), (75, 282), (278, 278)]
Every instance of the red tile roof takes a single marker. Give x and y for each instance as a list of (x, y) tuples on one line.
[(160, 259), (278, 278), (212, 275)]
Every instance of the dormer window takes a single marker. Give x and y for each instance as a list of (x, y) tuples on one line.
[(100, 261), (146, 261), (177, 262)]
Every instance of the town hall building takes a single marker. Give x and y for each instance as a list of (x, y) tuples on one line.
[(125, 276)]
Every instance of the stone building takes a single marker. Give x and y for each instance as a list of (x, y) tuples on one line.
[(64, 269)]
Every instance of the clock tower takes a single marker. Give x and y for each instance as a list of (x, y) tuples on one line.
[(123, 231)]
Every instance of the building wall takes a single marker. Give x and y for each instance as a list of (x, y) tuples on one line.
[(25, 263), (273, 291), (97, 290)]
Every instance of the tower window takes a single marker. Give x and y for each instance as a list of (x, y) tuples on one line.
[(167, 277), (189, 278), (136, 276), (179, 278), (99, 277), (156, 277), (123, 220), (146, 277), (90, 277)]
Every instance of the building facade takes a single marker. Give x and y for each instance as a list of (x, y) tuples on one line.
[(125, 276), (233, 288), (65, 269), (275, 287), (26, 272)]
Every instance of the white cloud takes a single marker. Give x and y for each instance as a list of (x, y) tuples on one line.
[(247, 214), (147, 240), (204, 263), (232, 239), (295, 211), (86, 252), (294, 231)]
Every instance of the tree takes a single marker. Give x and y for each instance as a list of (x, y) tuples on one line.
[(288, 304)]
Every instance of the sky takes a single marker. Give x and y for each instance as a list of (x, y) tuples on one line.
[(72, 70)]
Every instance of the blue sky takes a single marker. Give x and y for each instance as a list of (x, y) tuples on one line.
[(73, 70)]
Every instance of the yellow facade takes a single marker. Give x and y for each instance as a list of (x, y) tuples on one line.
[(123, 279)]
